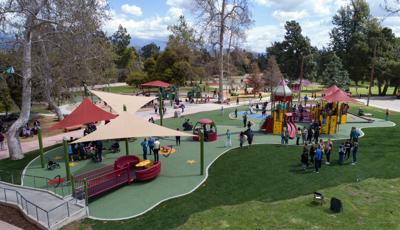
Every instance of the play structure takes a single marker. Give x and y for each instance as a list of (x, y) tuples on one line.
[(125, 170), (168, 91), (209, 129), (281, 115)]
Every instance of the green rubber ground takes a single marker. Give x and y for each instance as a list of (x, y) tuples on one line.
[(177, 175)]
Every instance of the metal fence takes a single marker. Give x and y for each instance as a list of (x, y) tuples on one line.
[(46, 218)]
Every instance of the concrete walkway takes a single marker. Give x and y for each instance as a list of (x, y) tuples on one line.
[(391, 103), (5, 225), (43, 207), (145, 113)]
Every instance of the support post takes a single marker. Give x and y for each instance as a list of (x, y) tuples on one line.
[(66, 160), (41, 151), (201, 135), (161, 108), (126, 146), (85, 187)]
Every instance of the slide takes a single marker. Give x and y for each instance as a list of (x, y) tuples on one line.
[(291, 127)]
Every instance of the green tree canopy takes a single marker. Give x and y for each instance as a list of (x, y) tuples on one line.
[(335, 74)]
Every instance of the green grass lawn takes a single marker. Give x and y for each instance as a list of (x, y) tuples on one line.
[(269, 173)]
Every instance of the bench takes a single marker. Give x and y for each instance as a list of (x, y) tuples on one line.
[(72, 128)]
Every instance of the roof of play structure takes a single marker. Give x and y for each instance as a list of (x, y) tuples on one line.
[(205, 121), (304, 82), (85, 113), (129, 126), (330, 90), (339, 96), (282, 89), (156, 84), (117, 101)]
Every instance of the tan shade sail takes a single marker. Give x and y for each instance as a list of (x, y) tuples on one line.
[(117, 101), (128, 126)]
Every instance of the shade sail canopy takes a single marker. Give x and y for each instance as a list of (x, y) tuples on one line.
[(156, 84), (205, 121), (129, 126), (282, 90), (330, 90), (85, 113), (339, 96), (117, 101)]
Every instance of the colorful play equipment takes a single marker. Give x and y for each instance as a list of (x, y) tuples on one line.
[(280, 111), (123, 171), (210, 133)]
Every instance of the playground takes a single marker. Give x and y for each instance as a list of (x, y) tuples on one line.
[(180, 172)]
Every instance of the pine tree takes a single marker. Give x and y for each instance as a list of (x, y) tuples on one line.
[(335, 74)]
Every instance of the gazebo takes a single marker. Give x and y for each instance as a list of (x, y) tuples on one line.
[(329, 90)]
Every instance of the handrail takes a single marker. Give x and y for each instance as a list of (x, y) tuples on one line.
[(20, 200)]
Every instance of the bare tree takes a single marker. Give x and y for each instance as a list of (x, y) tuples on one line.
[(272, 74), (392, 6), (213, 17)]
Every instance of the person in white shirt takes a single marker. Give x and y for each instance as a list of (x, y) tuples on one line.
[(156, 150)]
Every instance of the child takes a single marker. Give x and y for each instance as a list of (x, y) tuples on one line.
[(355, 149), (342, 150), (318, 158), (387, 115), (242, 139), (347, 147), (298, 135), (228, 139)]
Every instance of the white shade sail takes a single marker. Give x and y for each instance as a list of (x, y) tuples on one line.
[(129, 126), (117, 101)]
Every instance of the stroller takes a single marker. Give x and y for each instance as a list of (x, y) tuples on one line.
[(187, 126), (51, 165)]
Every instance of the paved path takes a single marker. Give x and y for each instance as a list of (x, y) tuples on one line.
[(391, 103), (5, 225), (145, 113), (37, 203)]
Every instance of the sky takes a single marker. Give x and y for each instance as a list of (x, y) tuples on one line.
[(147, 20)]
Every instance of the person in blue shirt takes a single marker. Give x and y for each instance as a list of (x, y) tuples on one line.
[(305, 100), (144, 145), (317, 159), (150, 142)]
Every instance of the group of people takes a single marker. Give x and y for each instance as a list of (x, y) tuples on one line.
[(27, 131), (151, 146), (313, 153)]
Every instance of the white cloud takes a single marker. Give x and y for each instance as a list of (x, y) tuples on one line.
[(131, 9), (148, 28), (259, 37), (289, 15), (186, 4), (175, 12)]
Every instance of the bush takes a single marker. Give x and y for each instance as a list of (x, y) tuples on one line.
[(136, 78)]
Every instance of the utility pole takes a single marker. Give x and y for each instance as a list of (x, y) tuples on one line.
[(371, 80)]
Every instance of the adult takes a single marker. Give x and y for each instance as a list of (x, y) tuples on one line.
[(310, 134), (283, 136), (354, 134), (316, 133), (237, 100), (317, 159), (312, 152), (304, 159), (2, 141), (99, 151), (145, 145), (245, 119), (157, 146), (236, 113), (150, 142), (242, 139), (222, 110), (250, 136), (81, 151), (305, 100), (178, 139), (354, 153)]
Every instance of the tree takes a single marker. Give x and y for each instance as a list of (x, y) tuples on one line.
[(335, 74), (272, 74), (255, 79), (124, 55), (216, 18), (136, 78), (291, 53), (150, 51), (5, 97)]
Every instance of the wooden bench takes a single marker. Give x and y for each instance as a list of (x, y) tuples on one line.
[(72, 128)]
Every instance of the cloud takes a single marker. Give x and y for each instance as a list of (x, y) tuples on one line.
[(186, 4), (289, 15), (259, 37), (131, 9), (175, 12), (149, 28)]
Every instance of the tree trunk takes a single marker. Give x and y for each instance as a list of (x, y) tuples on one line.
[(385, 87), (48, 82), (395, 90), (221, 53), (14, 144), (379, 87)]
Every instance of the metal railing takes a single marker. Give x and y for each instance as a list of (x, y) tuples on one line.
[(46, 218), (62, 189)]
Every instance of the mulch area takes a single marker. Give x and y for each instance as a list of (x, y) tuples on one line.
[(13, 216)]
